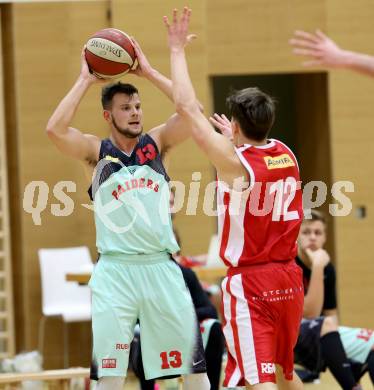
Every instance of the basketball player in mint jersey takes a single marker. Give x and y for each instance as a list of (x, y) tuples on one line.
[(135, 277), (263, 293)]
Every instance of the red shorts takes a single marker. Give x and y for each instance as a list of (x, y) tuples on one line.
[(262, 311)]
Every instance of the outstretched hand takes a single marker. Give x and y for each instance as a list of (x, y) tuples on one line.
[(178, 36), (222, 123), (321, 50)]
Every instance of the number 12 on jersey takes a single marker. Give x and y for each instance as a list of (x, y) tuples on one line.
[(285, 191)]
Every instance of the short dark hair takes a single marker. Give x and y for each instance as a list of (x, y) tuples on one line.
[(110, 90), (254, 110), (316, 216)]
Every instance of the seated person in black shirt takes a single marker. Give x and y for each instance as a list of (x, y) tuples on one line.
[(322, 343)]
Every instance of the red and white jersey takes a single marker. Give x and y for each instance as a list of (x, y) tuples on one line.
[(262, 223)]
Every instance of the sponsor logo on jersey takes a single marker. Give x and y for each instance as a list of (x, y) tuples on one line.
[(268, 368), (282, 161), (122, 346), (111, 158), (109, 363)]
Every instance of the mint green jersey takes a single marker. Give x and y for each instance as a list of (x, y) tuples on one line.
[(131, 201)]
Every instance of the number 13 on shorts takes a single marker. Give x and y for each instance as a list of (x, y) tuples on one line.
[(171, 359)]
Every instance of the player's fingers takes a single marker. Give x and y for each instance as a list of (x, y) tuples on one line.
[(309, 252), (135, 66), (302, 43), (321, 35), (214, 122), (225, 118), (183, 22), (306, 52), (217, 124), (311, 63), (218, 118), (135, 43), (185, 18), (222, 119), (305, 35), (188, 13), (166, 22), (191, 37), (137, 48), (184, 13), (175, 16)]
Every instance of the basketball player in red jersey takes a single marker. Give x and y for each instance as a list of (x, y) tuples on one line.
[(262, 293)]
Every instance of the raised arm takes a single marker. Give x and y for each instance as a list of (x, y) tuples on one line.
[(323, 51), (69, 140), (173, 131), (145, 70), (218, 148)]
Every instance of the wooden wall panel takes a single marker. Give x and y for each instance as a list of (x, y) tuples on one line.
[(313, 143), (252, 36), (47, 41), (7, 341), (351, 117)]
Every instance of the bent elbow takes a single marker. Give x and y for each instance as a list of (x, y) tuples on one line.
[(50, 128), (49, 131), (53, 130), (186, 109)]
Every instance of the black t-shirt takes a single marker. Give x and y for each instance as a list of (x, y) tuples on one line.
[(329, 281)]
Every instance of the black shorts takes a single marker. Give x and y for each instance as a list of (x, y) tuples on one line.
[(308, 347)]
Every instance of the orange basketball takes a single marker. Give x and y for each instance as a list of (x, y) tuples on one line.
[(110, 53)]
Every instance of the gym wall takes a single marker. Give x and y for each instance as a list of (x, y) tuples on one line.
[(41, 49)]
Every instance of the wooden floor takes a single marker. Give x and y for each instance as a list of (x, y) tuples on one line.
[(327, 383)]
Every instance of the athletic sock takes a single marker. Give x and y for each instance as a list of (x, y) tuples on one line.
[(213, 355), (370, 363), (336, 360)]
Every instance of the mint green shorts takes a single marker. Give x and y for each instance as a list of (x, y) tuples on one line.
[(357, 342), (150, 288)]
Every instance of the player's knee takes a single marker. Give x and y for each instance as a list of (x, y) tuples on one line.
[(329, 325), (110, 383), (196, 382), (287, 384), (261, 386)]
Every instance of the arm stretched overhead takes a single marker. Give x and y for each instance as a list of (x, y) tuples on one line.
[(218, 148)]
